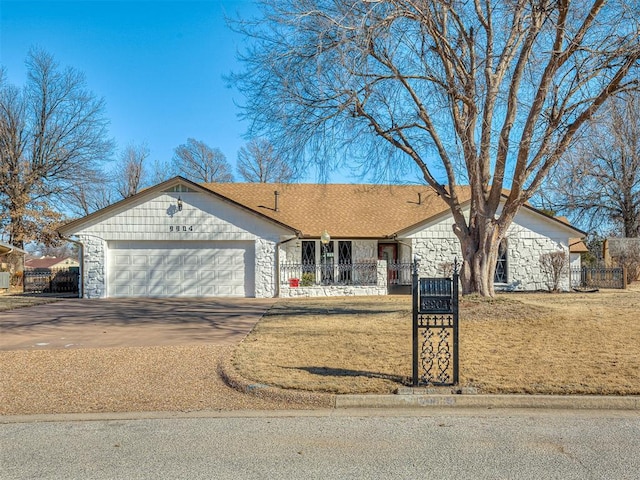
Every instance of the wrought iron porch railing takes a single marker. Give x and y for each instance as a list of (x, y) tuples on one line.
[(310, 275), (399, 273)]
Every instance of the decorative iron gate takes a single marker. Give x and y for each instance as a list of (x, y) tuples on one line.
[(435, 329), (52, 281)]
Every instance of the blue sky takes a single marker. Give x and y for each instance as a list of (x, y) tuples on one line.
[(159, 64)]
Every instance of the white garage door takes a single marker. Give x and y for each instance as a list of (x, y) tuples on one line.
[(180, 269)]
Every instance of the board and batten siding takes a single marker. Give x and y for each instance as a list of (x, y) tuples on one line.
[(530, 235), (155, 218)]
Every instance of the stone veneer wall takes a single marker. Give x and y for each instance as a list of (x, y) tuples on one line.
[(265, 271), (364, 250), (524, 250), (437, 245), (93, 266)]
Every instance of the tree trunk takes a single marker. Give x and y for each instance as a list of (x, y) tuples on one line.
[(480, 253)]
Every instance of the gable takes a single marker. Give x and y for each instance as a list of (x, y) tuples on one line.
[(154, 214), (527, 218)]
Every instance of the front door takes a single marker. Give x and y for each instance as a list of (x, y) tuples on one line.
[(389, 252)]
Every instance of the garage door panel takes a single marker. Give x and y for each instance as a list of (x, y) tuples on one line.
[(139, 276), (122, 275), (207, 274), (138, 290), (140, 261), (122, 259), (172, 276), (191, 260), (156, 291), (180, 269), (122, 291)]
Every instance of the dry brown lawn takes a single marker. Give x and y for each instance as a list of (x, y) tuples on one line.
[(569, 343), (11, 301)]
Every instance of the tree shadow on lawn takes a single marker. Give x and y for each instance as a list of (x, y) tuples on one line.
[(345, 372), (301, 310)]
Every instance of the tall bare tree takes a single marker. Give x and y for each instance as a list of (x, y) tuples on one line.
[(129, 175), (486, 92), (52, 132), (198, 162), (599, 183), (258, 162), (92, 192)]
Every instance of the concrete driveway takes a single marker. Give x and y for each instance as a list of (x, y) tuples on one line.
[(111, 322)]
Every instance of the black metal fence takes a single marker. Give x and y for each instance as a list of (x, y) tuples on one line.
[(52, 281), (587, 277)]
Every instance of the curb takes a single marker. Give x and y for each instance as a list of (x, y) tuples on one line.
[(233, 379), (421, 398), (573, 402)]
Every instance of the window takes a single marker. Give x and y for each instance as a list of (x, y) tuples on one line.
[(308, 257), (501, 264), (344, 261)]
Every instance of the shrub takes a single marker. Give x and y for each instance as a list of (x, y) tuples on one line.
[(554, 265), (307, 279)]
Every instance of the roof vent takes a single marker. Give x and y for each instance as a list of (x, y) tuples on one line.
[(419, 198), (276, 194)]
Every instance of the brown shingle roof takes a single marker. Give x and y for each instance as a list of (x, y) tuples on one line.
[(46, 262), (345, 211), (576, 245)]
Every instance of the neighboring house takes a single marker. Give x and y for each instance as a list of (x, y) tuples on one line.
[(576, 248), (625, 252), (180, 238), (50, 264), (10, 264)]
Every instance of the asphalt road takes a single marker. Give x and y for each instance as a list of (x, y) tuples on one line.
[(374, 444)]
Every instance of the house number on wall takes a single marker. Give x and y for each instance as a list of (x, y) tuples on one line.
[(181, 228)]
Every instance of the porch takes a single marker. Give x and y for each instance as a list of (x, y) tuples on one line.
[(343, 279)]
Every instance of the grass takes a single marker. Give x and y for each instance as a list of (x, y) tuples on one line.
[(541, 343), (11, 301)]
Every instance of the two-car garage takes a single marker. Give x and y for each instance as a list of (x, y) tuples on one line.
[(180, 269)]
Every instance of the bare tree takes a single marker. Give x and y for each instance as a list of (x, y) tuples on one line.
[(599, 183), (258, 162), (129, 175), (51, 133), (199, 162), (554, 265), (161, 171), (92, 192), (489, 93)]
